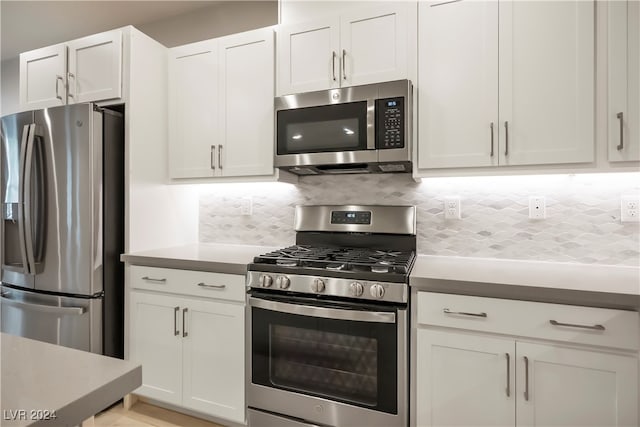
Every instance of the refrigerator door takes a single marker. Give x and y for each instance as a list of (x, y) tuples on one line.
[(70, 322), (71, 239), (15, 132)]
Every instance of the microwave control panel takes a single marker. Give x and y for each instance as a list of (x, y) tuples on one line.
[(390, 123)]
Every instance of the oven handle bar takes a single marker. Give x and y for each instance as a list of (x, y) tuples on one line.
[(327, 313)]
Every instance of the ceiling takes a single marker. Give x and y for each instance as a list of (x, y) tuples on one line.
[(27, 25)]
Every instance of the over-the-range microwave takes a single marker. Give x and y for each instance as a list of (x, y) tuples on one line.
[(359, 129)]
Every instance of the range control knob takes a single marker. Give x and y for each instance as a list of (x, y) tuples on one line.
[(356, 289), (282, 282), (266, 280), (317, 286), (377, 291)]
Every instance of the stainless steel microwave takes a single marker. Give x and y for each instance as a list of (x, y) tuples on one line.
[(359, 129)]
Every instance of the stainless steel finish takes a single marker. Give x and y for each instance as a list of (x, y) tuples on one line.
[(151, 279), (21, 189), (220, 156), (526, 378), (212, 157), (573, 325), (333, 64), (393, 292), (317, 286), (371, 124), (323, 312), (311, 410), (508, 374), (176, 332), (356, 289), (27, 197), (58, 79), (69, 77), (491, 126), (344, 64), (184, 323), (283, 282), (265, 280), (265, 419), (67, 321), (204, 285), (384, 219), (620, 117), (506, 138), (464, 313), (377, 291)]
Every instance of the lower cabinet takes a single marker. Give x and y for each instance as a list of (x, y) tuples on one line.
[(465, 377), (191, 351)]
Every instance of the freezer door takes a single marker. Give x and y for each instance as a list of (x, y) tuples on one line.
[(70, 322), (71, 259), (14, 141)]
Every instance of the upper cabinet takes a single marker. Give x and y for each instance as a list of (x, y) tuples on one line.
[(361, 47), (221, 107), (495, 89), (82, 70), (624, 80)]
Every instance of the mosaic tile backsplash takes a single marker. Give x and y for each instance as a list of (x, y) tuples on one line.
[(582, 221)]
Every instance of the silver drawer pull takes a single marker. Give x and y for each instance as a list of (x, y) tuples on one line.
[(463, 313), (204, 285), (573, 325), (151, 279)]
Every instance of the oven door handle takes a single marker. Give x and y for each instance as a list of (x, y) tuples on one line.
[(327, 313)]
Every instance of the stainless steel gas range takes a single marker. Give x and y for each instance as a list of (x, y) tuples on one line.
[(328, 320)]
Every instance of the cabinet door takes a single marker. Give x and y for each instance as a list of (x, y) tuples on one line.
[(309, 56), (155, 342), (464, 380), (43, 77), (568, 387), (246, 63), (546, 82), (214, 359), (624, 80), (95, 67), (458, 84), (193, 110), (373, 45)]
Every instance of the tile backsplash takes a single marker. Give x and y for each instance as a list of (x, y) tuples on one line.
[(582, 221)]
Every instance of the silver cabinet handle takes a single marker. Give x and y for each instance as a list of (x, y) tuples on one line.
[(151, 279), (59, 78), (184, 323), (333, 64), (526, 378), (176, 332), (220, 156), (573, 325), (620, 117), (212, 157), (464, 313), (69, 77), (506, 138), (344, 66), (491, 126), (508, 374), (204, 285)]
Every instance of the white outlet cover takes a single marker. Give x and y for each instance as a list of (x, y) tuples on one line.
[(630, 209), (452, 208), (246, 206), (537, 207)]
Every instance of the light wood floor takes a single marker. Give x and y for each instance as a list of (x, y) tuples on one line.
[(144, 415)]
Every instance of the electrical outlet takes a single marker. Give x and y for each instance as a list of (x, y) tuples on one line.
[(246, 206), (452, 208), (630, 209), (537, 207)]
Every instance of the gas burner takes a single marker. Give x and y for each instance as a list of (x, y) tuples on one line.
[(379, 269), (288, 262), (335, 267)]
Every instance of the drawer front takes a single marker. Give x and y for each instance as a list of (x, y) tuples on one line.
[(567, 323), (186, 282)]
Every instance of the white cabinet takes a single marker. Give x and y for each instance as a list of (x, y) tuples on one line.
[(221, 107), (478, 354), (624, 80), (82, 70), (366, 46), (495, 90), (187, 331)]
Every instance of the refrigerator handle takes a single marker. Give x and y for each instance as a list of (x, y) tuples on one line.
[(21, 188), (51, 309), (27, 203)]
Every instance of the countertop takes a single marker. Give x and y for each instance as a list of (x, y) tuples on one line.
[(41, 379), (565, 283), (216, 257)]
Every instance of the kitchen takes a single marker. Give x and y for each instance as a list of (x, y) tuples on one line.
[(537, 227)]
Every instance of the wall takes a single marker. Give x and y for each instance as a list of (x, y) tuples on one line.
[(582, 224), (9, 86)]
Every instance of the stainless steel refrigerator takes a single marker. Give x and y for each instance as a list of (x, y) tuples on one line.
[(62, 189)]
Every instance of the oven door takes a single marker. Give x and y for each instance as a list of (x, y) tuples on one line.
[(331, 363)]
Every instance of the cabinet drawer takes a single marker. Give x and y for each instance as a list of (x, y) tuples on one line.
[(568, 323), (186, 282)]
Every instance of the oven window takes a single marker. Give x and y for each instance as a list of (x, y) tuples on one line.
[(349, 361), (330, 128)]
